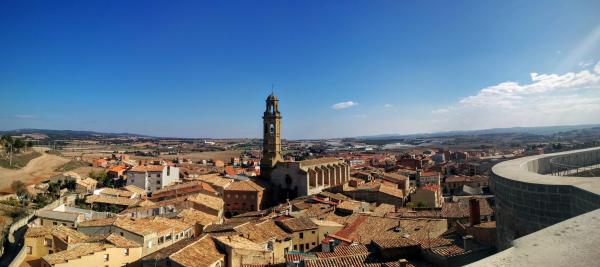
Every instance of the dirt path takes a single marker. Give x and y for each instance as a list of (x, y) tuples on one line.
[(36, 170)]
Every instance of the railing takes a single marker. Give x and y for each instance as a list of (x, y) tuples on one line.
[(575, 164)]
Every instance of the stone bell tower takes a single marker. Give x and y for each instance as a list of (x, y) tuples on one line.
[(271, 137)]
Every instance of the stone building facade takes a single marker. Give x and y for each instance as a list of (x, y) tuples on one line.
[(307, 177), (292, 179)]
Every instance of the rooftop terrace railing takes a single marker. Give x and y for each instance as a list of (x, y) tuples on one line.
[(575, 164)]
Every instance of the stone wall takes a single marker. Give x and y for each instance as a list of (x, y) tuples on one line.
[(524, 207)]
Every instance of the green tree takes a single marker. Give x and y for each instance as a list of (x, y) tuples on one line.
[(18, 144), (19, 188)]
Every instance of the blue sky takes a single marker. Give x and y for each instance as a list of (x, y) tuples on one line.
[(203, 69)]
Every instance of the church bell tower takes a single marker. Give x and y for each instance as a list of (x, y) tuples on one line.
[(271, 136)]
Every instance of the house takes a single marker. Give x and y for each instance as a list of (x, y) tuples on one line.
[(199, 219), (266, 233), (218, 182), (110, 250), (241, 251), (54, 218), (183, 189), (304, 232), (455, 183), (203, 252), (117, 172), (428, 177), (243, 196), (100, 163), (152, 177), (151, 233), (325, 228), (378, 192), (364, 228), (402, 182), (85, 186), (208, 204), (43, 240), (427, 196)]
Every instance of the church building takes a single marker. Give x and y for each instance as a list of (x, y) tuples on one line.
[(292, 179)]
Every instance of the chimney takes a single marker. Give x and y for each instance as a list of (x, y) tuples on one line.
[(468, 242), (402, 262), (474, 212)]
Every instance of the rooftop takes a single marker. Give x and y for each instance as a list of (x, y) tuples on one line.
[(319, 161), (262, 232), (239, 242), (194, 216), (58, 215), (244, 186), (206, 200), (202, 252), (61, 232), (298, 224), (150, 225), (147, 168), (75, 252), (121, 201)]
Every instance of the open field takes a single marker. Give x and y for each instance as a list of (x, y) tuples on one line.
[(215, 155), (36, 170), (90, 155), (19, 160)]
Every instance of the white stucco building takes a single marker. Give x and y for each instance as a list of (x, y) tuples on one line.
[(152, 177)]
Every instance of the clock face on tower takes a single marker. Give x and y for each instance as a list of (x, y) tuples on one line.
[(271, 129)]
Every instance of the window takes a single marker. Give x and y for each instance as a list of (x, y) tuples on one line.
[(132, 181), (149, 244), (295, 247), (54, 223), (313, 232), (169, 237), (157, 181), (125, 251), (301, 235), (301, 247), (48, 242), (243, 196), (121, 233), (158, 175), (105, 257), (161, 240), (236, 195), (313, 243), (29, 250)]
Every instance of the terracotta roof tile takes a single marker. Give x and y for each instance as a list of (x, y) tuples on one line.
[(203, 252)]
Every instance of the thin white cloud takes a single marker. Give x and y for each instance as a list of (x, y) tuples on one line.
[(344, 105), (25, 116), (388, 105), (440, 110), (548, 99), (585, 64)]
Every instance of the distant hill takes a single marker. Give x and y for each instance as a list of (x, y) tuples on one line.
[(69, 134), (542, 130)]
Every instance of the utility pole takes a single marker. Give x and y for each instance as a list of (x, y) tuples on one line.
[(10, 155)]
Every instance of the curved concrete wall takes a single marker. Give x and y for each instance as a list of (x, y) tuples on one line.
[(527, 200)]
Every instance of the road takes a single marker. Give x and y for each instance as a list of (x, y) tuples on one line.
[(36, 170)]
